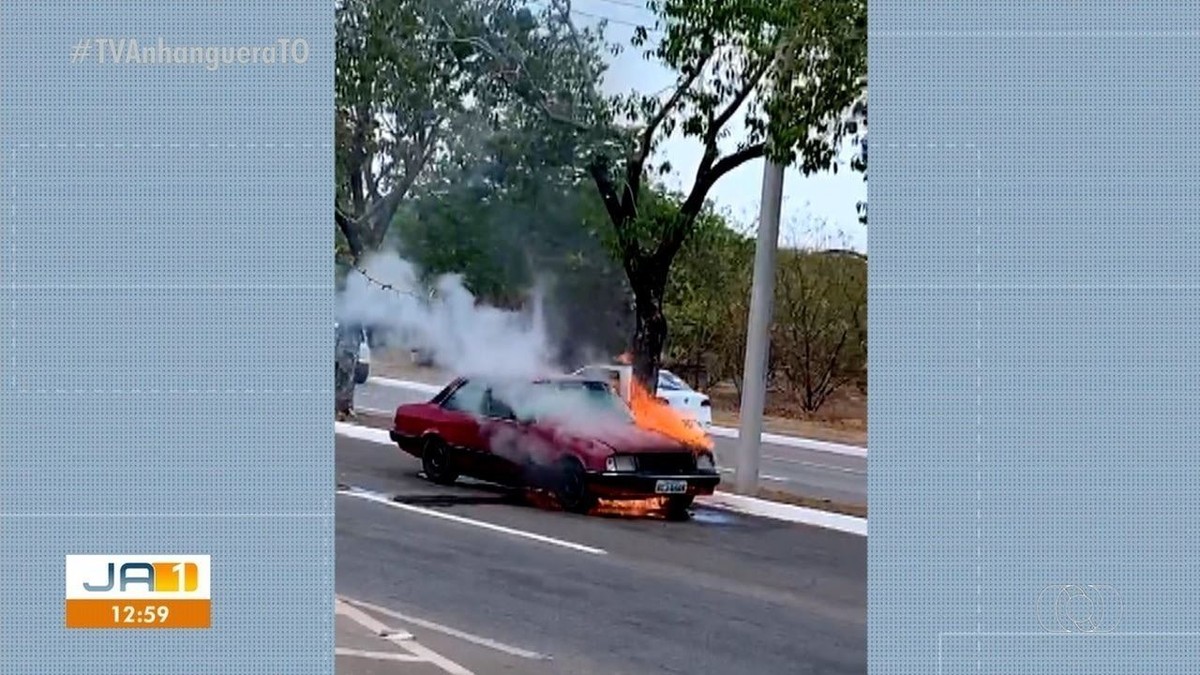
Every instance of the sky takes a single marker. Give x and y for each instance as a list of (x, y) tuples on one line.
[(818, 209)]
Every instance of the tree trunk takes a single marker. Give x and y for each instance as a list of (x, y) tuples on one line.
[(650, 330)]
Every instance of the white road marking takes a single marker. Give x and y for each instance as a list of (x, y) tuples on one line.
[(719, 500), (796, 442), (378, 656), (453, 632), (764, 476), (342, 607), (815, 465), (403, 639), (387, 501), (724, 432), (361, 433), (436, 659), (422, 387)]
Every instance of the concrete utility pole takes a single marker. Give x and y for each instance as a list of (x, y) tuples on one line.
[(758, 325), (758, 331)]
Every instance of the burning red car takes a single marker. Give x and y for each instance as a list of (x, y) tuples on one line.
[(573, 436)]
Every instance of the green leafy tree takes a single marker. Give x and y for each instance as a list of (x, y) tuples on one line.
[(790, 72), (419, 111), (397, 94), (508, 231), (859, 162), (415, 98), (704, 302)]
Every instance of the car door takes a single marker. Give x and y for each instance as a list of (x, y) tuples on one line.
[(504, 440), (461, 427)]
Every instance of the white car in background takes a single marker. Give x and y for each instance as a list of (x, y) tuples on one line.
[(672, 390), (680, 396)]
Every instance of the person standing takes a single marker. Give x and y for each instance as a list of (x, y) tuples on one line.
[(347, 341)]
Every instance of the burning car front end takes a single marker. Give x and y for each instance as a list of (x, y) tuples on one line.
[(640, 474)]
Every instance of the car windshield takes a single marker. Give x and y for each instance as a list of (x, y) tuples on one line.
[(572, 399), (670, 382)]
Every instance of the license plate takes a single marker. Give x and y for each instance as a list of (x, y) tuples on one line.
[(670, 487)]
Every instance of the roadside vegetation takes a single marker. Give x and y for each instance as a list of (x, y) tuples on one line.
[(475, 137)]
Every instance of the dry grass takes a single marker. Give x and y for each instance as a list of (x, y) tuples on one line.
[(843, 419)]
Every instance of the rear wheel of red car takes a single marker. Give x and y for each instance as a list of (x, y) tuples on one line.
[(571, 488), (678, 505), (435, 462)]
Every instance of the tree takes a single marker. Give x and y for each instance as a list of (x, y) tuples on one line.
[(396, 94), (820, 337), (727, 54), (709, 279), (413, 95), (505, 239), (859, 162), (417, 112)]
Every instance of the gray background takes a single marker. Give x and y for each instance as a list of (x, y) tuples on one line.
[(166, 282), (1033, 313)]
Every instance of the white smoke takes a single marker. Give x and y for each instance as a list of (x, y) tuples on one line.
[(460, 334)]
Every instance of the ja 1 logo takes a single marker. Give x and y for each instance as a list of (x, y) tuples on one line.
[(156, 577), (138, 591)]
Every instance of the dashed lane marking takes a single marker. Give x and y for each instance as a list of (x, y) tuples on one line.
[(417, 653)]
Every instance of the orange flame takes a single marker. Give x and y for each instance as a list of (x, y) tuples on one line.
[(637, 508), (652, 414)]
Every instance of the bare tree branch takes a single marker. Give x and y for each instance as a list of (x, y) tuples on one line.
[(717, 123), (635, 166), (510, 77), (652, 126), (677, 231), (598, 169), (350, 231), (705, 179)]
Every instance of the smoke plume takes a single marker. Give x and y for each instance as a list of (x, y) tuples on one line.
[(444, 320)]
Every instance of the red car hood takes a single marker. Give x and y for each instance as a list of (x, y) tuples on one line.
[(621, 437)]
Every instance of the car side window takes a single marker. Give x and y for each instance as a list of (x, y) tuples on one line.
[(498, 409), (468, 398), (669, 381)]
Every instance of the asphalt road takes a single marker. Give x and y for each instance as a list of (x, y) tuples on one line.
[(477, 579), (808, 473)]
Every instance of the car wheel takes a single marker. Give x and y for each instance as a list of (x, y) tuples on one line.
[(435, 462), (677, 506), (571, 488)]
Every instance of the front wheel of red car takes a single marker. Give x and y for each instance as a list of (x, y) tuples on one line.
[(435, 462), (571, 488), (677, 506)]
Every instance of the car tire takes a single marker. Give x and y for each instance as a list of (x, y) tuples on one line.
[(436, 462), (570, 488), (678, 505)]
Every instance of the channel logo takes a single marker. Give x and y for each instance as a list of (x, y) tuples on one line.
[(1079, 608), (138, 591)]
